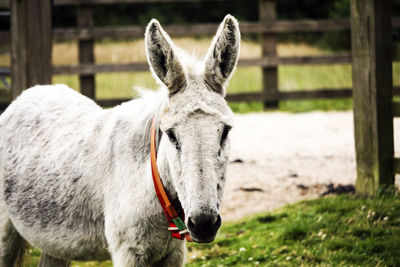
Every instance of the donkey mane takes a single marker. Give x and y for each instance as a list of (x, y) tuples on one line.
[(152, 103)]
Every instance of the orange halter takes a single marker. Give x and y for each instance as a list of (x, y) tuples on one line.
[(176, 223)]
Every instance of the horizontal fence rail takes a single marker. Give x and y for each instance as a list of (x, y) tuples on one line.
[(396, 109), (298, 94), (396, 165), (5, 71), (4, 85), (86, 69), (257, 96), (341, 58), (6, 3), (271, 26), (108, 2), (202, 29)]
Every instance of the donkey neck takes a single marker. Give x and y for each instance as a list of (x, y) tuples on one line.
[(132, 123)]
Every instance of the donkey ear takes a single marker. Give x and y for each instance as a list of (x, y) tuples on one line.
[(223, 55), (162, 57)]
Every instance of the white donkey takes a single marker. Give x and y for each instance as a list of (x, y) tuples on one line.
[(76, 179)]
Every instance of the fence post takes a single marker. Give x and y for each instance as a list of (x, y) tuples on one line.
[(86, 51), (31, 43), (372, 91), (267, 15)]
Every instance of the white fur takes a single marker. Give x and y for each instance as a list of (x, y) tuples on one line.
[(75, 179)]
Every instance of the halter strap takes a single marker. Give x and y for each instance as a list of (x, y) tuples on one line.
[(176, 221)]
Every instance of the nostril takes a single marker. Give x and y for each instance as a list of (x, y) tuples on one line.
[(204, 221), (218, 221), (190, 223)]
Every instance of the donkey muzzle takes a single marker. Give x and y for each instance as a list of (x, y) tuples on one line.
[(203, 227)]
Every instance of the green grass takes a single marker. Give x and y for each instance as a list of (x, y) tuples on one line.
[(339, 231), (334, 231)]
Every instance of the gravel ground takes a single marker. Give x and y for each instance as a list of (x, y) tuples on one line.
[(286, 158)]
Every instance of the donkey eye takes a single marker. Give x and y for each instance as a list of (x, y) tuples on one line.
[(225, 134), (172, 138)]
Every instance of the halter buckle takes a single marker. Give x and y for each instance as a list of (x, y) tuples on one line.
[(184, 232)]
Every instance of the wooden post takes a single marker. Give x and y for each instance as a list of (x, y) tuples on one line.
[(49, 261), (372, 91), (86, 51), (31, 43), (267, 15)]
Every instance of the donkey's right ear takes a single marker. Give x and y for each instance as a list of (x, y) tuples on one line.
[(162, 57)]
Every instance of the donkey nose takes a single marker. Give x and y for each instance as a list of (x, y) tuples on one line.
[(204, 226)]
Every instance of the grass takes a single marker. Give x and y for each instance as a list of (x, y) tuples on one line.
[(338, 231), (249, 79), (333, 231)]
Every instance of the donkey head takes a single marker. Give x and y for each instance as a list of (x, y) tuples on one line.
[(196, 121)]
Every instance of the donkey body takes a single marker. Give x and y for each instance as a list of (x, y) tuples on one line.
[(75, 179)]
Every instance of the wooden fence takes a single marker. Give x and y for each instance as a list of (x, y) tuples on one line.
[(371, 59), (268, 27)]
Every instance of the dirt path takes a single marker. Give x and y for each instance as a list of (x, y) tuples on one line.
[(285, 153)]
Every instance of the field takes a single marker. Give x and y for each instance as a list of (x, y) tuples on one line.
[(245, 79), (333, 231)]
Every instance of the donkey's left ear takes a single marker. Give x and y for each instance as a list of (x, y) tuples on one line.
[(162, 57), (223, 55)]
